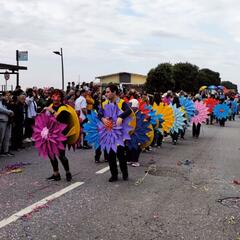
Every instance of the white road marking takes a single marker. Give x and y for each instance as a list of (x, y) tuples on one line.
[(42, 202), (102, 170)]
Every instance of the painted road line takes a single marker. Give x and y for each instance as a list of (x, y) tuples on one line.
[(102, 170), (42, 202)]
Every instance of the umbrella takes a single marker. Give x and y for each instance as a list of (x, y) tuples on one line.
[(202, 88), (212, 87)]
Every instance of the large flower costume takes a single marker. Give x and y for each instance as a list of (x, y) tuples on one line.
[(188, 106), (139, 136), (179, 119), (91, 128), (48, 135), (221, 111), (201, 113), (108, 137), (211, 103), (167, 116)]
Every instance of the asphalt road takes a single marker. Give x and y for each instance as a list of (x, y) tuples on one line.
[(174, 201)]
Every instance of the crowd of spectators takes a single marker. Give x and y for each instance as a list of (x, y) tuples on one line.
[(18, 109)]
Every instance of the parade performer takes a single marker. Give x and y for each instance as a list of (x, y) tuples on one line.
[(210, 102), (187, 106), (115, 117), (167, 116), (200, 117), (221, 112), (179, 122), (55, 128), (139, 135)]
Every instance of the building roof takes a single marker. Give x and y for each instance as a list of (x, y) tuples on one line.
[(11, 67), (113, 74)]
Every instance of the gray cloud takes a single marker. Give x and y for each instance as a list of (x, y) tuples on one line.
[(97, 36)]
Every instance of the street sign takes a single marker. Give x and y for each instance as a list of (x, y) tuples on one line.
[(22, 55), (6, 75)]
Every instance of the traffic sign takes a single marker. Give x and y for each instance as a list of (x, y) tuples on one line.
[(6, 75)]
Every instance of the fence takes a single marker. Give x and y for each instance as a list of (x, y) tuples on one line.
[(6, 88)]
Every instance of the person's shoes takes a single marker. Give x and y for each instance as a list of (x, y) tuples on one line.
[(113, 179), (149, 149), (125, 177), (174, 142), (86, 147), (105, 160), (97, 161), (68, 177), (27, 140), (54, 178), (129, 163), (9, 154), (136, 164)]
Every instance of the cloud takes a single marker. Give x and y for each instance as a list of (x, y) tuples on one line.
[(105, 36)]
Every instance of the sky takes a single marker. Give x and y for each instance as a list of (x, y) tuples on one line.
[(108, 36)]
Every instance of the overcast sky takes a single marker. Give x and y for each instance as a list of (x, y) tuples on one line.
[(105, 36)]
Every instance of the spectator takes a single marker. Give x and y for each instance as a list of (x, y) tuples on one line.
[(18, 122), (81, 108), (5, 126), (31, 113)]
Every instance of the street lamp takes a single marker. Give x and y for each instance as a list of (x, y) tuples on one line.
[(61, 54)]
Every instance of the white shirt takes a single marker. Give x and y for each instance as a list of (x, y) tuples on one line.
[(32, 107), (81, 103)]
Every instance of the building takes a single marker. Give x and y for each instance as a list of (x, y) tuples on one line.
[(123, 78)]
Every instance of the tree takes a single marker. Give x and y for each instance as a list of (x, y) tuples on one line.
[(229, 85), (208, 77), (185, 77), (160, 79)]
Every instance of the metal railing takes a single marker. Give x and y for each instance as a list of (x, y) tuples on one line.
[(4, 88)]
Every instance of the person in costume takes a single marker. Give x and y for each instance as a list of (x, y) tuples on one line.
[(112, 94), (158, 136), (175, 134), (62, 115), (200, 117), (133, 153)]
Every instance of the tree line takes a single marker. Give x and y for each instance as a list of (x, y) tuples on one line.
[(182, 76)]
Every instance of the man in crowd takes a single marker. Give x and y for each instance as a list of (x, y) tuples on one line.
[(5, 125)]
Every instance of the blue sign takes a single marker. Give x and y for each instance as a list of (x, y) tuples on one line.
[(22, 55)]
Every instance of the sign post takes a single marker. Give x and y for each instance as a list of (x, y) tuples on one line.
[(7, 77), (20, 56)]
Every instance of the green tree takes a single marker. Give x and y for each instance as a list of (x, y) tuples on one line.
[(208, 77), (160, 79), (229, 85), (185, 77)]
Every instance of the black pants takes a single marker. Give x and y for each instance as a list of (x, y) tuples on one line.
[(98, 153), (112, 160), (174, 136), (158, 138), (196, 129), (63, 160), (222, 122), (133, 154), (182, 132), (17, 137), (211, 119), (29, 122)]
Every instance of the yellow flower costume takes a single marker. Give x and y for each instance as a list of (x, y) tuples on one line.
[(167, 116)]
